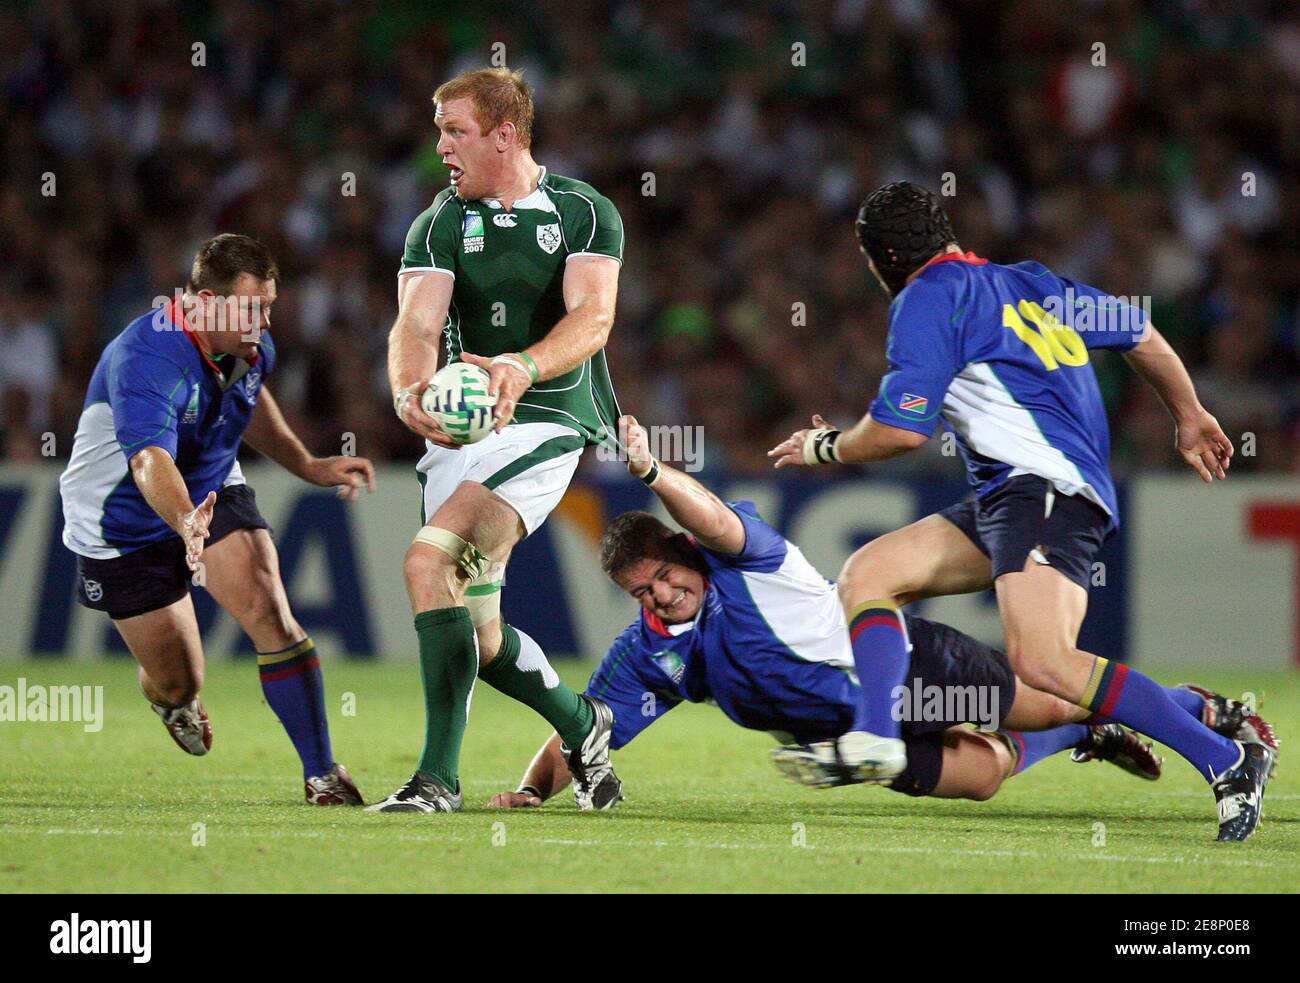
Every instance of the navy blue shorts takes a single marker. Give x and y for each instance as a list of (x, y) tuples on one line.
[(1014, 520), (157, 575), (953, 679)]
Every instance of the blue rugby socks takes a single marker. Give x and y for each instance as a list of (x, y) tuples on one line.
[(1031, 747), (882, 654), (295, 691), (1116, 692), (1185, 698), (1193, 703)]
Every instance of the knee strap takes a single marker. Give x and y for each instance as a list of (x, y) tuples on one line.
[(483, 595), (468, 557)]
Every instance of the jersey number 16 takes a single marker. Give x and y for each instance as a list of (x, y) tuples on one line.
[(1054, 343)]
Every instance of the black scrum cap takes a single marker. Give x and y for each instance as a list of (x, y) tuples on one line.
[(901, 226)]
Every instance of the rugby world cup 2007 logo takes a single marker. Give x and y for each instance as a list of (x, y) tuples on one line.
[(671, 664), (472, 233), (192, 408)]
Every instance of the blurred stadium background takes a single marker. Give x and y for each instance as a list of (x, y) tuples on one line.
[(1171, 170)]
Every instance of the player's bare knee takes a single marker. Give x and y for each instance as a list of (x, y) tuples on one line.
[(984, 792), (418, 565), (871, 573), (431, 573), (994, 770), (175, 689), (271, 624), (1026, 662), (858, 581), (1064, 712), (1039, 666)]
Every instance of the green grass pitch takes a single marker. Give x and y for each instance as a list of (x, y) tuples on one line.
[(117, 810)]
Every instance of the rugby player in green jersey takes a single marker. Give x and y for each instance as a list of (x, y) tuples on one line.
[(513, 269)]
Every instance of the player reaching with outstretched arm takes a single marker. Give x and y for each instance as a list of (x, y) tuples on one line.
[(734, 614), (515, 270), (154, 492), (1000, 353)]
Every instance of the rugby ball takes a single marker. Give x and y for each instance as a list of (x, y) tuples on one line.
[(457, 397)]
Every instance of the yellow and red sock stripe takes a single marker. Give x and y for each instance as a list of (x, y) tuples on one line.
[(871, 614), (1015, 745), (1018, 741), (1104, 686), (298, 657)]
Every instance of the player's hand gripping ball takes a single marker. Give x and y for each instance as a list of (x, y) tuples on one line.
[(458, 399)]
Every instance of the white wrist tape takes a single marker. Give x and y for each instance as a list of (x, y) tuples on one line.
[(403, 394), (819, 446)]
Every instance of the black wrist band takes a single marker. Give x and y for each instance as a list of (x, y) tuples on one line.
[(651, 476), (528, 790)]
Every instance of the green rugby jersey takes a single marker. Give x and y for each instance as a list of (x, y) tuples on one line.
[(509, 270)]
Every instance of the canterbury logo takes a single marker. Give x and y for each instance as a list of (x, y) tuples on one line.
[(505, 220)]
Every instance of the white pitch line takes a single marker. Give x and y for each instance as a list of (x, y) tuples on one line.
[(683, 844), (86, 832), (289, 779), (1269, 797), (502, 782)]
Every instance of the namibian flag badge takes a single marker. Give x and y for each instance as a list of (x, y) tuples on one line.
[(913, 403)]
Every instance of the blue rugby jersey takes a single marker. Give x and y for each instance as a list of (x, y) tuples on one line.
[(769, 646), (153, 387), (1000, 353)]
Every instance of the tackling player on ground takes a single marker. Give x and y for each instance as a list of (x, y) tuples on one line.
[(735, 615), (154, 491), (1001, 354), (514, 269)]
